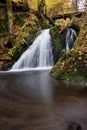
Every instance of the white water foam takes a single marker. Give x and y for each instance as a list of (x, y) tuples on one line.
[(70, 38), (38, 55)]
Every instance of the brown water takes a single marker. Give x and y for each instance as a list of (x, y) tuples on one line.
[(33, 100)]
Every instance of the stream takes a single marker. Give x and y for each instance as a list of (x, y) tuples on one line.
[(33, 100)]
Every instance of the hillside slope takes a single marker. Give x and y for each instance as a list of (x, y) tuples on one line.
[(73, 64)]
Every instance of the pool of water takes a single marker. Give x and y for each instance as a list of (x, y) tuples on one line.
[(33, 100)]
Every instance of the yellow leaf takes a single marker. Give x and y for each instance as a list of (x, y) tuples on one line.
[(75, 69), (80, 58)]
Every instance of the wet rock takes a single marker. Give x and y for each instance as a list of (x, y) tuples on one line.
[(74, 126)]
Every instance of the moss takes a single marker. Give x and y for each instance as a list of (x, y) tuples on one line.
[(73, 64), (58, 37), (19, 20), (3, 23), (74, 24), (12, 52), (7, 65), (77, 42), (24, 41)]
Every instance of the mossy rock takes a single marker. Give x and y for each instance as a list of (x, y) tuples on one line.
[(58, 36), (71, 66)]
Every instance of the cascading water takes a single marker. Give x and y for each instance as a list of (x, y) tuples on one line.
[(80, 4), (39, 54), (70, 38)]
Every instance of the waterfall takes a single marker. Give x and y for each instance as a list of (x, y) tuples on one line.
[(81, 5), (70, 38), (39, 54)]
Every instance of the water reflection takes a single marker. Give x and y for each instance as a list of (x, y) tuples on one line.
[(33, 100)]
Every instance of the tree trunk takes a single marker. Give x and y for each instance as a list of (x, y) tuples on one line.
[(26, 3), (10, 17), (74, 5)]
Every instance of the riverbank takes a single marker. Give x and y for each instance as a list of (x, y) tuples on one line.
[(73, 64)]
